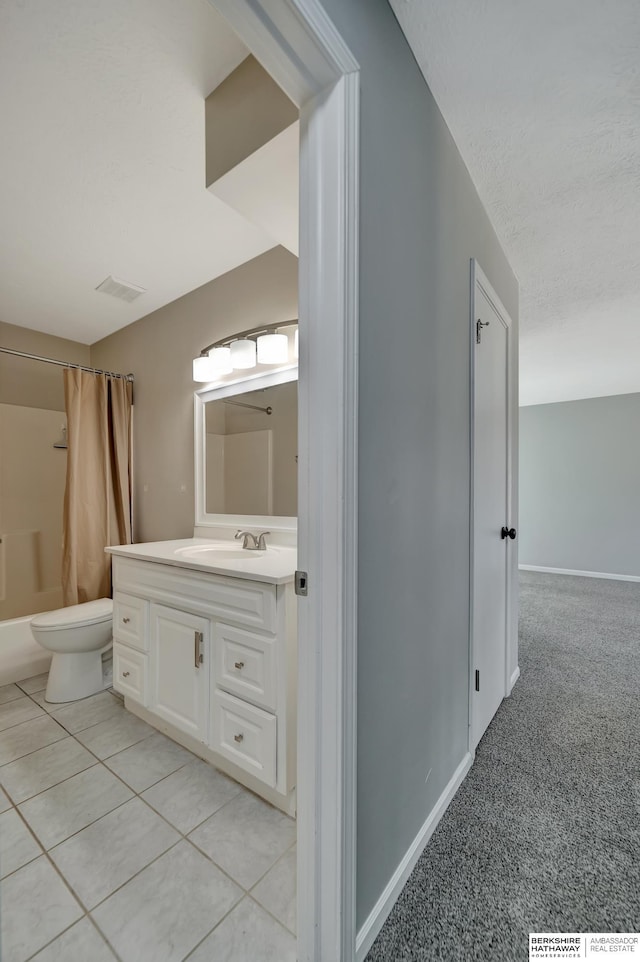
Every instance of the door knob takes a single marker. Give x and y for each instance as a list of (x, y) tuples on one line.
[(508, 533)]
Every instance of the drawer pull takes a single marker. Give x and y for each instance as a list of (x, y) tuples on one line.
[(238, 738), (239, 665), (125, 674), (125, 621)]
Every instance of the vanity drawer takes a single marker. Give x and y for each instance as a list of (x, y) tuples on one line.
[(244, 734), (130, 673), (244, 602), (245, 665), (130, 620)]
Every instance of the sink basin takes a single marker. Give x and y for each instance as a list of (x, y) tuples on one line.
[(221, 552)]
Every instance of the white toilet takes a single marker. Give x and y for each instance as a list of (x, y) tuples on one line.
[(78, 637)]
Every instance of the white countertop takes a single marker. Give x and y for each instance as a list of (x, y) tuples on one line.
[(275, 566)]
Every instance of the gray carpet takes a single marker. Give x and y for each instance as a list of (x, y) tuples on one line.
[(544, 833)]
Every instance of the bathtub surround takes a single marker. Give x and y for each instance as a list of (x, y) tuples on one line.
[(32, 474), (579, 483), (98, 810), (97, 501), (20, 655)]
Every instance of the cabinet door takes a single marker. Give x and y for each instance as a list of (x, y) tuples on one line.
[(179, 654)]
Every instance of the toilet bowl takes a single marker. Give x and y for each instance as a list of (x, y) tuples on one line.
[(77, 637)]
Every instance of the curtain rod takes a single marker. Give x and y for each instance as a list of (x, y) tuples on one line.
[(53, 360), (254, 407)]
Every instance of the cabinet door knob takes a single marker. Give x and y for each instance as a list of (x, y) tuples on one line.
[(239, 665), (125, 674), (125, 621), (238, 738)]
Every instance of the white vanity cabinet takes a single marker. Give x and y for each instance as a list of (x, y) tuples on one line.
[(179, 654), (211, 660)]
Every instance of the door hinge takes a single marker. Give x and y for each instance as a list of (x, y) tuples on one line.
[(477, 680), (198, 639), (479, 325), (302, 583)]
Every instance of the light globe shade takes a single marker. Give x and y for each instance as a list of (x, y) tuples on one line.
[(202, 369), (273, 349), (220, 359), (243, 354)]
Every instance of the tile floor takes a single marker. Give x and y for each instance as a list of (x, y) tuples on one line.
[(117, 843)]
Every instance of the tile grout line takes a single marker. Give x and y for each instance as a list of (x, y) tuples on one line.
[(185, 837), (217, 925), (26, 754), (30, 798), (271, 915), (138, 794), (64, 881), (279, 859), (24, 721), (45, 852)]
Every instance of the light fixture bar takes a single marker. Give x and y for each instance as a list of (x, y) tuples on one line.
[(243, 335)]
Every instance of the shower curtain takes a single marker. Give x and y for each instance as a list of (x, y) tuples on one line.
[(97, 500)]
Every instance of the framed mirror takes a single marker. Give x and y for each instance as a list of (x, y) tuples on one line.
[(246, 453)]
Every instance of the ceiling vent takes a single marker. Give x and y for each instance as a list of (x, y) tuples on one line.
[(120, 289)]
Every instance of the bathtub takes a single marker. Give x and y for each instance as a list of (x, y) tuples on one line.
[(20, 656)]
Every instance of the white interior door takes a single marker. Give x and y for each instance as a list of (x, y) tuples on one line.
[(490, 508)]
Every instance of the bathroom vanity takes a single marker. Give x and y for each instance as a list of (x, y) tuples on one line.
[(205, 650)]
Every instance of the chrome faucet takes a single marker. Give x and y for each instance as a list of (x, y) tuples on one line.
[(252, 542)]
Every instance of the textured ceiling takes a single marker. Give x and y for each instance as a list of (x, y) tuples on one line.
[(102, 160), (543, 100)]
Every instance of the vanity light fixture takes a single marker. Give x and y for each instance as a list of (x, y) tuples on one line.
[(220, 358), (202, 369), (241, 352), (273, 349)]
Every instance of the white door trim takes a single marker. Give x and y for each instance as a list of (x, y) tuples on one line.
[(479, 277), (299, 46)]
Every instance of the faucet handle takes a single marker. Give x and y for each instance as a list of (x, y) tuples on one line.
[(262, 546), (249, 540)]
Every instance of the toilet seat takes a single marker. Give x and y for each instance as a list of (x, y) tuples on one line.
[(77, 616)]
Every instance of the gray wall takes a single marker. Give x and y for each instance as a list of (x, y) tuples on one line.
[(421, 222), (580, 485)]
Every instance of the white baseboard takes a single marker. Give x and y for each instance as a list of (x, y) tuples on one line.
[(371, 927), (514, 678), (580, 574)]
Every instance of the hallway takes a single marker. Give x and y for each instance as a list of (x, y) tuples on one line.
[(544, 834)]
